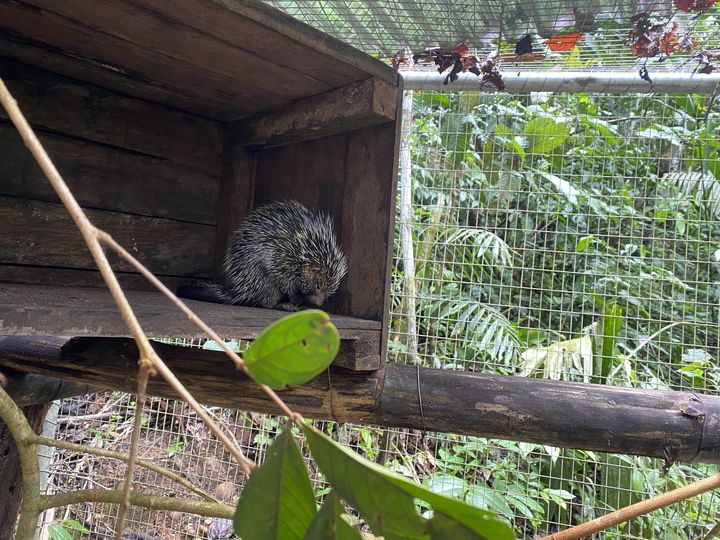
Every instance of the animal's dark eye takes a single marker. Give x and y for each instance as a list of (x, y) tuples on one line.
[(317, 287)]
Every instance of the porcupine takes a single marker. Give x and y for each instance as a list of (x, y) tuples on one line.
[(282, 256)]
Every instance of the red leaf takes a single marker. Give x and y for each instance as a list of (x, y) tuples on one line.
[(707, 69), (461, 49), (669, 41), (694, 5), (563, 42)]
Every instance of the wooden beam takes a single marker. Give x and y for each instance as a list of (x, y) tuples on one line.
[(289, 27), (682, 425), (112, 362), (362, 104), (75, 311), (30, 389)]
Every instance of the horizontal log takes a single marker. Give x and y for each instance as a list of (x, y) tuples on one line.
[(30, 389), (681, 425), (362, 104), (348, 396)]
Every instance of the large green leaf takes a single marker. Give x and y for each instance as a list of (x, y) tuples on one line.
[(328, 523), (611, 323), (293, 350), (386, 499), (277, 501), (545, 134)]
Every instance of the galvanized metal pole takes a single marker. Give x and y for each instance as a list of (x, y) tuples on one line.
[(626, 82)]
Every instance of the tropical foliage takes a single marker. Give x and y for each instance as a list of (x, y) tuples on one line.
[(573, 237)]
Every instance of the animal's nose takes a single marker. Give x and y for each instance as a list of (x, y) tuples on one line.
[(317, 299)]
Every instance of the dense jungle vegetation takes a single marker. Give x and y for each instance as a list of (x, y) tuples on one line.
[(575, 237)]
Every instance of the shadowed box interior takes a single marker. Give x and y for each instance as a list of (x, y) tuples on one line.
[(170, 121)]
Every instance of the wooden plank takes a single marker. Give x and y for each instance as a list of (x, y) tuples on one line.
[(601, 418), (108, 178), (367, 220), (74, 108), (42, 234), (355, 106), (221, 68), (289, 27), (75, 38), (263, 42), (78, 311), (74, 311), (237, 191), (65, 277), (36, 53)]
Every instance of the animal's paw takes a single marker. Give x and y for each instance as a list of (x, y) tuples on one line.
[(285, 306)]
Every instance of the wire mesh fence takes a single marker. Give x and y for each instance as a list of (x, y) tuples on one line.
[(563, 236), (556, 34)]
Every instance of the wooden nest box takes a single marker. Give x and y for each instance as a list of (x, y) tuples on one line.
[(170, 121)]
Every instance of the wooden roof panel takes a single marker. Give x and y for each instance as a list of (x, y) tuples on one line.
[(225, 60)]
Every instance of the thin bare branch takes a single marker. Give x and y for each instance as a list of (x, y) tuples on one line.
[(638, 509), (154, 502), (143, 376), (46, 441), (110, 242), (149, 360)]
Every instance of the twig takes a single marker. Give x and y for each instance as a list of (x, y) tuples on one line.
[(713, 532), (109, 241), (27, 452), (154, 502), (148, 361), (638, 509), (143, 376), (102, 452)]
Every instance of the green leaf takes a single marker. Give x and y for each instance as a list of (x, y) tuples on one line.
[(386, 499), (277, 501), (584, 242), (611, 323), (328, 523), (57, 532), (445, 484), (456, 133), (74, 525), (487, 498), (293, 350), (545, 134)]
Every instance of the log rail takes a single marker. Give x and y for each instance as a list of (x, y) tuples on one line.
[(681, 426)]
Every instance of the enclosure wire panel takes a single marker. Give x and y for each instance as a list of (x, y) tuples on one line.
[(564, 236), (562, 34)]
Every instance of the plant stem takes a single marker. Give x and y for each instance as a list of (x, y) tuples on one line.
[(46, 441), (154, 502), (23, 436), (638, 509)]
